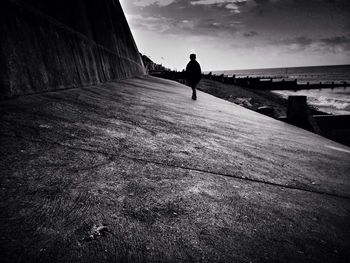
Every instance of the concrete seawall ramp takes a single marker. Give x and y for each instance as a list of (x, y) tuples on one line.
[(135, 171), (50, 45)]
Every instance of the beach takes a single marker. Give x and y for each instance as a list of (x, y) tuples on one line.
[(331, 122), (334, 101), (249, 98)]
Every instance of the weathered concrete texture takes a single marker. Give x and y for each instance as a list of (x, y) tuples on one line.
[(336, 127), (49, 45), (173, 179)]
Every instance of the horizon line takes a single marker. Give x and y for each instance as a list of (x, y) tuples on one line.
[(329, 65)]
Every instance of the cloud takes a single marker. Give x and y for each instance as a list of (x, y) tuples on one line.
[(268, 1), (232, 5), (234, 8), (149, 23), (211, 2), (262, 1), (257, 11), (182, 18), (202, 27), (337, 42), (301, 41), (250, 34), (143, 3)]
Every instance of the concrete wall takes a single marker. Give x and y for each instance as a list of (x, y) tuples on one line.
[(57, 44), (334, 127)]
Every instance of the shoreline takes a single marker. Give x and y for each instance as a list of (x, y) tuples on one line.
[(249, 98), (220, 71), (332, 101), (267, 102)]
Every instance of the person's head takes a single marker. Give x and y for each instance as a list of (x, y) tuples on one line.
[(193, 56)]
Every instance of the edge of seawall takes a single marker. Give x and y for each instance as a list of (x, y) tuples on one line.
[(45, 49)]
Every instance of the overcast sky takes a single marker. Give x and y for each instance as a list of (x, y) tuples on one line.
[(240, 34)]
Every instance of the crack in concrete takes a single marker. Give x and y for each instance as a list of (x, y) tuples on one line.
[(181, 167)]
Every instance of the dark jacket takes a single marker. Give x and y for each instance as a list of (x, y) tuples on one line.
[(193, 72)]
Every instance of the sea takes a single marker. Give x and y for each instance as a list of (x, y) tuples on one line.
[(332, 101)]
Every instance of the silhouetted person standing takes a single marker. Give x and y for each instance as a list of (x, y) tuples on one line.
[(193, 74)]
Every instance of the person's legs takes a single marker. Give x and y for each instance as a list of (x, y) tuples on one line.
[(194, 93)]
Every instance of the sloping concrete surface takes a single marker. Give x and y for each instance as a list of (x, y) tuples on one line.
[(172, 179)]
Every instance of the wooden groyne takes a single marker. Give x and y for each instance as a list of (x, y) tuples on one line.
[(270, 83), (261, 83), (334, 127)]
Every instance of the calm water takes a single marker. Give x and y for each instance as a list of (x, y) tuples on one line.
[(335, 101)]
